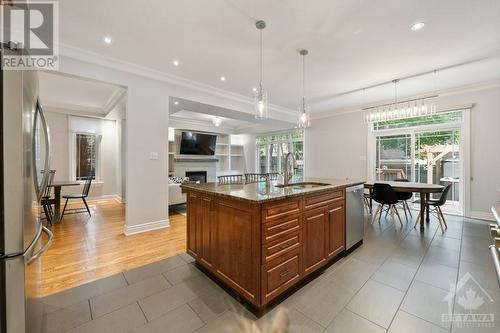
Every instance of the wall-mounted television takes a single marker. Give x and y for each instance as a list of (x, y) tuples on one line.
[(193, 143)]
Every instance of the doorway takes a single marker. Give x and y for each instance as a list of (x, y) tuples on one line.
[(429, 151)]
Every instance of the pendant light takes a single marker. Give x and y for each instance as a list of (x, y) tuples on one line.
[(304, 118), (260, 97)]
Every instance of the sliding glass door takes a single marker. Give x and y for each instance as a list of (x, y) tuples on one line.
[(429, 152)]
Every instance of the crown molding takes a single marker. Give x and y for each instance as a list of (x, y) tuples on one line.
[(117, 64), (113, 100)]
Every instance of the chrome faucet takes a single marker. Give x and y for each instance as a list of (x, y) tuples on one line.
[(288, 171)]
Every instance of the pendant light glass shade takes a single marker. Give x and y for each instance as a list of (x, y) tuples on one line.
[(261, 97), (304, 115)]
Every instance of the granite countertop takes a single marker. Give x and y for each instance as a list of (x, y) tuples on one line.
[(259, 192)]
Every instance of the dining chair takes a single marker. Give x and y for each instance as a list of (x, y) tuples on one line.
[(404, 197), (366, 199), (83, 196), (46, 200), (385, 195), (273, 175), (255, 177), (230, 179), (434, 207)]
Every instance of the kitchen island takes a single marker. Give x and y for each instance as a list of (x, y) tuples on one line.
[(261, 239)]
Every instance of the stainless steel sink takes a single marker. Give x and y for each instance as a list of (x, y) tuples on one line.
[(304, 185)]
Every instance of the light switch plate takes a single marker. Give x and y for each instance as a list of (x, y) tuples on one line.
[(153, 155)]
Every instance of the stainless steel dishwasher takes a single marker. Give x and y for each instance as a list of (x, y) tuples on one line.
[(355, 216)]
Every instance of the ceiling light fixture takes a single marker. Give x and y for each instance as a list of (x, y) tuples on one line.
[(223, 78), (417, 26), (108, 40), (176, 103), (175, 63), (412, 108), (260, 95), (304, 118), (217, 121)]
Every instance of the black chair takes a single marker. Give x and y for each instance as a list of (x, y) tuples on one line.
[(384, 195), (367, 196), (46, 200), (83, 196), (434, 207), (255, 177), (404, 197), (230, 179)]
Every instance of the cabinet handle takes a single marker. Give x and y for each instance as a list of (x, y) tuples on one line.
[(285, 273)]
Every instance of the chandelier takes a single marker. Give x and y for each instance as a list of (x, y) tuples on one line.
[(417, 107)]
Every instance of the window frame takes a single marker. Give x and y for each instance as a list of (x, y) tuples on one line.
[(73, 151), (288, 140)]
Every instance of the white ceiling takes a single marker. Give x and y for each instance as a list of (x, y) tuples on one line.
[(69, 94), (352, 43)]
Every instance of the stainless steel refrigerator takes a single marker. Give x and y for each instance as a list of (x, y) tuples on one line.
[(25, 153)]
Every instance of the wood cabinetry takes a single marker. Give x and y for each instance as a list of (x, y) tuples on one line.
[(262, 250)]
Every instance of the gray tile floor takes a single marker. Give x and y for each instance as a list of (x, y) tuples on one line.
[(398, 281)]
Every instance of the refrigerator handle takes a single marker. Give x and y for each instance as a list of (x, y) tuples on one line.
[(48, 155), (32, 257)]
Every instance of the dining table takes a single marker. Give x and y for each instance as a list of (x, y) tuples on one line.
[(423, 189), (57, 185)]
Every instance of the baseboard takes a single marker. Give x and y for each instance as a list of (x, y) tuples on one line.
[(145, 227), (482, 215), (115, 197)]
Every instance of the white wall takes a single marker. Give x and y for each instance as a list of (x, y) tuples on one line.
[(106, 185), (336, 145)]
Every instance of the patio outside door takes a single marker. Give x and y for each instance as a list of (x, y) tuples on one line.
[(423, 156)]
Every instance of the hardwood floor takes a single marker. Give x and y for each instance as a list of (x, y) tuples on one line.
[(89, 248)]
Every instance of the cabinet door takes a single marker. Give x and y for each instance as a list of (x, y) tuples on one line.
[(315, 229), (192, 216), (336, 228), (204, 230)]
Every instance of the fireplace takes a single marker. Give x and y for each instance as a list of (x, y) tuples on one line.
[(200, 176)]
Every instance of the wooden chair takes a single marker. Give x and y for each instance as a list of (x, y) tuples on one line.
[(82, 196), (434, 207), (255, 177), (230, 179), (273, 175), (46, 200)]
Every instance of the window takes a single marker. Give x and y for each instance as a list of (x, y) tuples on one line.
[(426, 149), (86, 155), (272, 148)]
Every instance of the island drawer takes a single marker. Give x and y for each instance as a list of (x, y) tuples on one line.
[(317, 200), (279, 277), (281, 246), (280, 228), (280, 209)]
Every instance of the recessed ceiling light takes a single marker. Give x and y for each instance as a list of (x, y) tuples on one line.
[(217, 121), (417, 26), (223, 78), (175, 63), (254, 89), (107, 40), (176, 103)]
